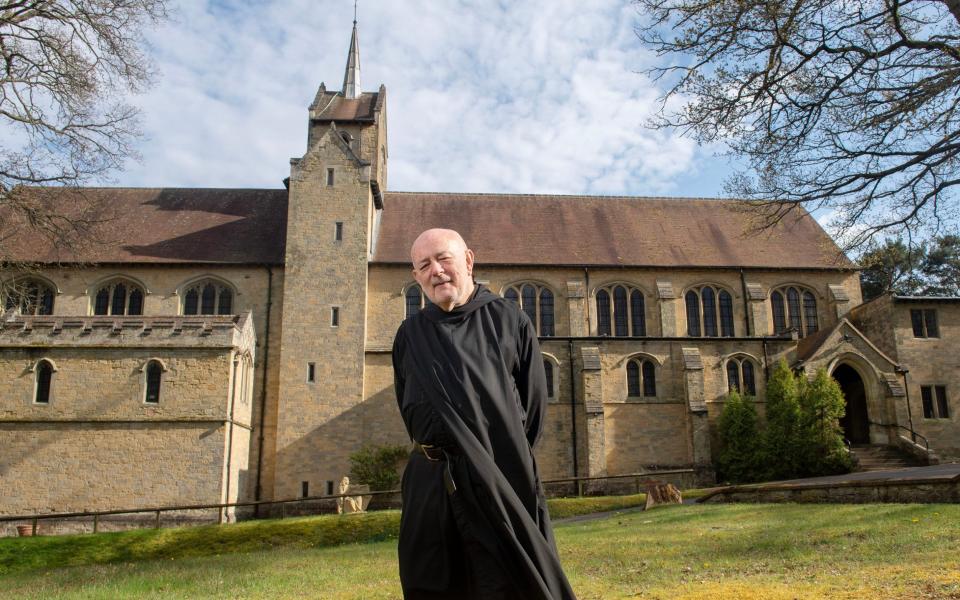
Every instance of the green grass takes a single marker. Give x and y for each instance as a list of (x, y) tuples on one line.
[(709, 551)]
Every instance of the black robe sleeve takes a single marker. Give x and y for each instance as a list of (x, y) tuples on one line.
[(530, 379), (423, 423)]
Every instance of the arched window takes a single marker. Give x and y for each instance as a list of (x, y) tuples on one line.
[(153, 375), (740, 376), (44, 372), (627, 308), (709, 312), (794, 307), (548, 371), (415, 300), (641, 378), (208, 298), (118, 298), (30, 296), (537, 302)]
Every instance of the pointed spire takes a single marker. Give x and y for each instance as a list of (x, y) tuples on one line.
[(351, 79)]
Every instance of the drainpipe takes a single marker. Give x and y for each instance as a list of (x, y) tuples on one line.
[(746, 302), (766, 361), (573, 407), (258, 492)]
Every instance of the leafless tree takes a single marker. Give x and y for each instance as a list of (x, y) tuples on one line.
[(68, 68), (847, 105)]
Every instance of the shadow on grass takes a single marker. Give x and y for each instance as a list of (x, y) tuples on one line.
[(24, 554)]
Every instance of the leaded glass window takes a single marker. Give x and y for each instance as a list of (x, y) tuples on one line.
[(118, 298), (641, 378), (710, 311), (794, 308), (536, 302), (626, 308), (208, 298), (30, 296)]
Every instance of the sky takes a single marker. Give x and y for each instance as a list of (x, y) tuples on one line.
[(482, 96)]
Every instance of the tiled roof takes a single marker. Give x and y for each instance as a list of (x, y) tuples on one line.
[(161, 225), (505, 229), (171, 225), (333, 106)]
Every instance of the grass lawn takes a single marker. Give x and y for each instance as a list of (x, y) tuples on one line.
[(710, 551)]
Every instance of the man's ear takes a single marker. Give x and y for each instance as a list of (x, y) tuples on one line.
[(469, 254)]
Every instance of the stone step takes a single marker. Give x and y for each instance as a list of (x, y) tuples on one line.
[(880, 458)]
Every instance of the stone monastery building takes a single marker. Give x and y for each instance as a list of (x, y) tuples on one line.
[(214, 345)]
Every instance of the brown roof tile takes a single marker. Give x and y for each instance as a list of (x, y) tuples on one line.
[(592, 230), (159, 225), (332, 106)]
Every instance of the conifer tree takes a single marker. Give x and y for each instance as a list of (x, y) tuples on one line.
[(821, 438), (737, 461), (782, 433)]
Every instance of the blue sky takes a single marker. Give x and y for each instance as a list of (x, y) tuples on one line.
[(483, 96)]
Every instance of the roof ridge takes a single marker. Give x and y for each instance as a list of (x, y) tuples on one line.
[(570, 196)]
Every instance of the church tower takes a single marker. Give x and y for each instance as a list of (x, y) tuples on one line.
[(335, 199)]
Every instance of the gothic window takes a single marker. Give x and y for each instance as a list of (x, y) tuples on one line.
[(153, 375), (537, 302), (626, 308), (641, 378), (415, 300), (709, 312), (548, 371), (208, 298), (118, 298), (740, 376), (794, 308), (30, 296), (44, 373)]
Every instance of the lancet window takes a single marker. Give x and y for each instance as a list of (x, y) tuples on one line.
[(118, 298), (415, 300), (741, 376), (794, 308), (30, 296), (621, 311), (641, 378), (537, 302), (709, 312), (208, 298)]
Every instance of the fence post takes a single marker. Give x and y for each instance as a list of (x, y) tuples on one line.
[(96, 522), (637, 480), (283, 509), (579, 487), (156, 524), (34, 526), (220, 515)]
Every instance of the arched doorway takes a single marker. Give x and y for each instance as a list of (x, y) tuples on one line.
[(855, 423)]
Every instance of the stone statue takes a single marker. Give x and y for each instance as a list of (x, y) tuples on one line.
[(351, 504)]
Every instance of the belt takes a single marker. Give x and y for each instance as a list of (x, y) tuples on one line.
[(433, 453)]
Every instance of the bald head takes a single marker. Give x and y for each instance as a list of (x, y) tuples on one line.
[(443, 266)]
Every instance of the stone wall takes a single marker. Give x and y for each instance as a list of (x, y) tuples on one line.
[(83, 466)]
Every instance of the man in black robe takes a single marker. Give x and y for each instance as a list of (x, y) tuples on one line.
[(472, 393)]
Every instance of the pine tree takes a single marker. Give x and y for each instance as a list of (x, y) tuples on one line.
[(821, 445), (737, 461), (781, 440)]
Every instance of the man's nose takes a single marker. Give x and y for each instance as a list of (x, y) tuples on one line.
[(436, 268)]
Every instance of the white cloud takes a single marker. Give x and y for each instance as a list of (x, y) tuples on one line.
[(483, 96)]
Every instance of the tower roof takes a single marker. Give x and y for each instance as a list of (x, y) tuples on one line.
[(351, 78)]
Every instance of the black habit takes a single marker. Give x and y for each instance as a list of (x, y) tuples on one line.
[(471, 382)]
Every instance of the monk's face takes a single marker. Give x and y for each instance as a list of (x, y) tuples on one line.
[(443, 266)]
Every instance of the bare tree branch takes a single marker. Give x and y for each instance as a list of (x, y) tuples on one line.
[(66, 67), (850, 105)]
